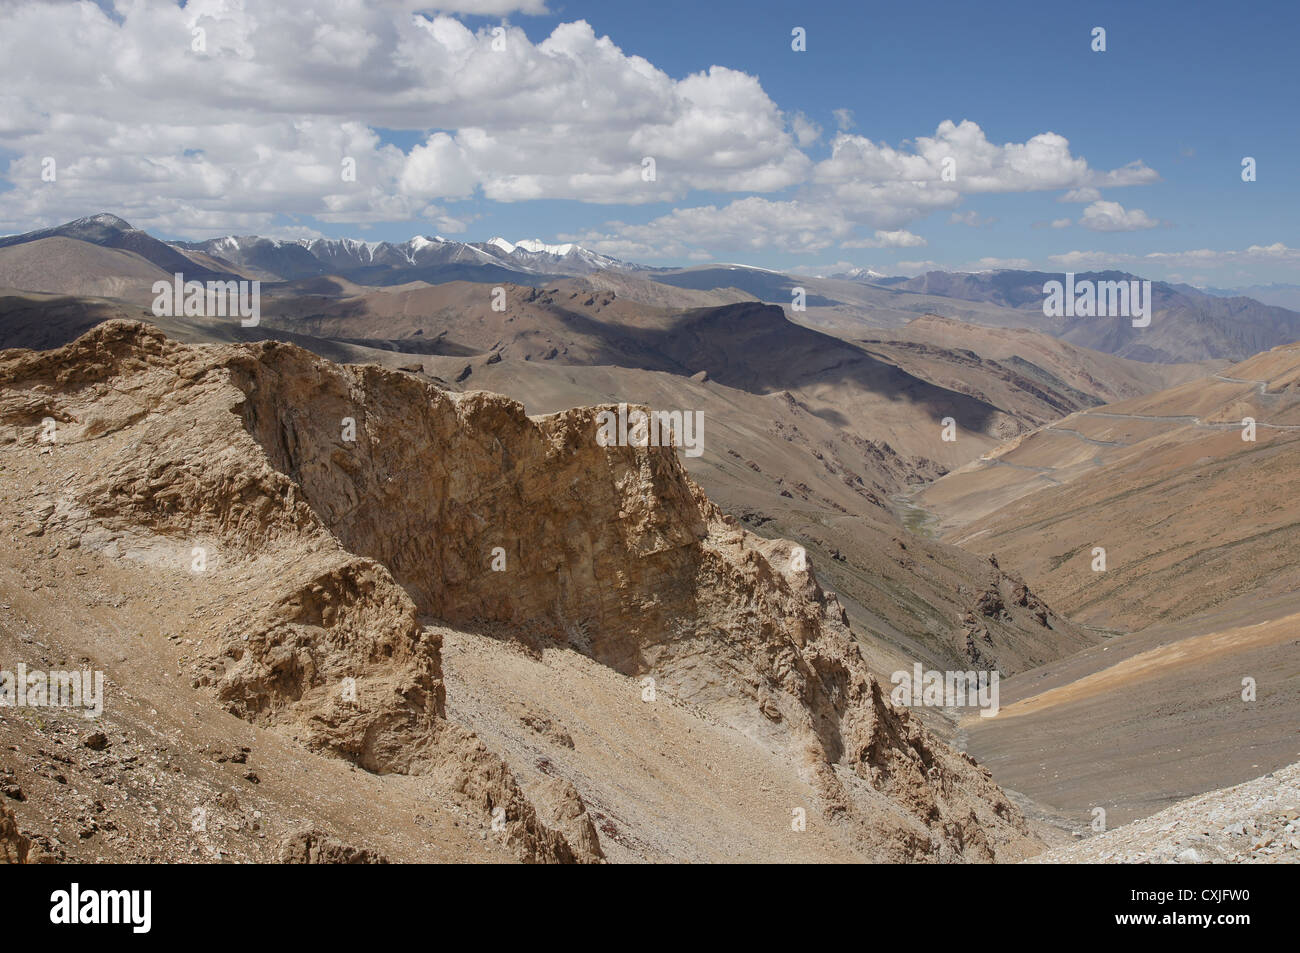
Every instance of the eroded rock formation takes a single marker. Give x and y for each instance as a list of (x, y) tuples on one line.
[(461, 508)]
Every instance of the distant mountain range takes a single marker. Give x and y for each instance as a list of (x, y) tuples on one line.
[(109, 231), (1281, 295), (420, 258), (1189, 324)]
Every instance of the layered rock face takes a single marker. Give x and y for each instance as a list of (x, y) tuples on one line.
[(337, 506)]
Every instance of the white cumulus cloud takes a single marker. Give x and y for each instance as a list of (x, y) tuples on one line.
[(1112, 217)]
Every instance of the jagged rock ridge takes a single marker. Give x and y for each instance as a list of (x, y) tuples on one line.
[(332, 551)]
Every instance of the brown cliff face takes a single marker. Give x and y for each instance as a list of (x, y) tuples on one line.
[(14, 846), (330, 551)]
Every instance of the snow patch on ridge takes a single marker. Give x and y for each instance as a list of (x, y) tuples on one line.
[(535, 245)]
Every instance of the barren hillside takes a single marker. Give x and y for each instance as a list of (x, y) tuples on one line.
[(324, 560), (1256, 822), (1193, 517)]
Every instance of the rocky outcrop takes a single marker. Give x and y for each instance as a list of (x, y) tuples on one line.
[(342, 503), (561, 808), (338, 651), (1008, 607), (13, 844), (309, 638), (314, 847)]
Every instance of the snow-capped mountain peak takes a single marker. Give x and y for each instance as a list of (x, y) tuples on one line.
[(535, 246), (420, 241), (421, 256), (106, 220), (859, 274)]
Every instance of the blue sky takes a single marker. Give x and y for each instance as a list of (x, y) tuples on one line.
[(826, 170), (1190, 88)]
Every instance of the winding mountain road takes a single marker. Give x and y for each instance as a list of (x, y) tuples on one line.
[(1183, 419)]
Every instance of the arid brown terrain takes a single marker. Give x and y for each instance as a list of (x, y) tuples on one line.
[(365, 587), (1198, 681), (324, 560), (514, 432)]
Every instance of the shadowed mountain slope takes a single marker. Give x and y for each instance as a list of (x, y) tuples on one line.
[(322, 554)]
